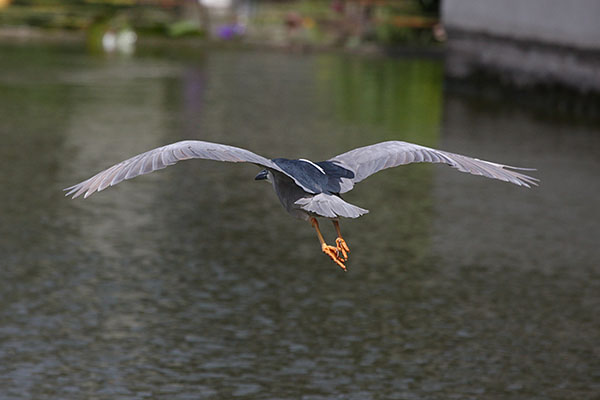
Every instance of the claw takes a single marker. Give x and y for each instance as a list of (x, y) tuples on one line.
[(333, 253), (342, 248)]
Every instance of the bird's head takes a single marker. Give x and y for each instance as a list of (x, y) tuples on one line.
[(263, 175)]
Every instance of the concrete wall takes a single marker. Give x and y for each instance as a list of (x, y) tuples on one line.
[(573, 23), (525, 42)]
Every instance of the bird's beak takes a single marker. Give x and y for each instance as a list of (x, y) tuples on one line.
[(262, 175)]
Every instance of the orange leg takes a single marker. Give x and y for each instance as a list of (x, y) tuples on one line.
[(331, 251), (342, 247)]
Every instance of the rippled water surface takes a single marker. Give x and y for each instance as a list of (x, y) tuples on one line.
[(194, 283)]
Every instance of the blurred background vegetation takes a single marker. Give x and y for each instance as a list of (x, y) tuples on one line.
[(297, 23)]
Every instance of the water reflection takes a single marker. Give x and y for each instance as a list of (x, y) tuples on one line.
[(193, 283)]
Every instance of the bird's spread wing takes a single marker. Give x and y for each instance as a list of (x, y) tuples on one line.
[(162, 157), (365, 161)]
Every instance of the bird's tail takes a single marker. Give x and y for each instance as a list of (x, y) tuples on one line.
[(330, 206)]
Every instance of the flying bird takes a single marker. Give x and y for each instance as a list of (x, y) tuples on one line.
[(307, 190)]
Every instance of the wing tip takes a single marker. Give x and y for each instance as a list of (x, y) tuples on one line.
[(522, 179), (70, 190), (77, 190)]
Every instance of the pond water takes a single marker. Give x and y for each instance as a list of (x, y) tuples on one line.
[(194, 283)]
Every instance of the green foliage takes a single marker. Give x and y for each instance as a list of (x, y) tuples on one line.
[(85, 14), (185, 28), (388, 23)]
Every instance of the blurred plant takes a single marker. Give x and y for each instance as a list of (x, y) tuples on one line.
[(144, 15), (229, 31), (185, 28), (346, 23)]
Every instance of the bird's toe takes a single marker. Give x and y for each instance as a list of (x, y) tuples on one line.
[(333, 253), (342, 248)]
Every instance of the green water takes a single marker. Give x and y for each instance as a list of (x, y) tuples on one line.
[(193, 282)]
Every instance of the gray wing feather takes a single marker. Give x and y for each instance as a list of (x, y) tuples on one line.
[(162, 157), (365, 161)]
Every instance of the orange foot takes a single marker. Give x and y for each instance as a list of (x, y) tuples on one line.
[(332, 252), (342, 248)]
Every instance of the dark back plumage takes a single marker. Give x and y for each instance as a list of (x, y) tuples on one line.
[(321, 177)]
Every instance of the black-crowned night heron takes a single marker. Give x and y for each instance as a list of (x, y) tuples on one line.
[(306, 189)]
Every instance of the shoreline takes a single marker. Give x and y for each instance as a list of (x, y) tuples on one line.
[(26, 34)]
